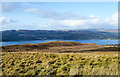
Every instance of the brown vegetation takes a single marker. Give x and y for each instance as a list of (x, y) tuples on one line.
[(18, 60), (59, 47)]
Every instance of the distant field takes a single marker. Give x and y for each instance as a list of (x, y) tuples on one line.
[(35, 63)]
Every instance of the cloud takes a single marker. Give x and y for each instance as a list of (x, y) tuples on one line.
[(113, 20), (42, 13), (91, 22), (54, 15), (10, 6), (13, 6), (5, 20), (74, 21)]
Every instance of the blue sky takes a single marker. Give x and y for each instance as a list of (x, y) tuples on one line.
[(59, 15)]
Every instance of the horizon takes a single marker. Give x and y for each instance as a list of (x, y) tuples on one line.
[(60, 29)]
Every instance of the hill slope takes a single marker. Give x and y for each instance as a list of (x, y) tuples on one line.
[(21, 35), (59, 47)]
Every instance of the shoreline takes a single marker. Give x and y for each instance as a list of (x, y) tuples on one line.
[(43, 41)]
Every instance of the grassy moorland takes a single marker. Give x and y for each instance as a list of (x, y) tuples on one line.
[(60, 64), (94, 59), (59, 47)]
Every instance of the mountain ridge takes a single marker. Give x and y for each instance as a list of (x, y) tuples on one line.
[(23, 35)]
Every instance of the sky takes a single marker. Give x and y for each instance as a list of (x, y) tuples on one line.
[(59, 15)]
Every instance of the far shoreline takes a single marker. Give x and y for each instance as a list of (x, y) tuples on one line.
[(55, 40), (96, 41)]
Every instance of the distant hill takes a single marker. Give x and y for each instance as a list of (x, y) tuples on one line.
[(59, 47), (39, 46), (22, 35)]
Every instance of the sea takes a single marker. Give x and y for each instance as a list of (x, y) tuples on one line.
[(100, 42)]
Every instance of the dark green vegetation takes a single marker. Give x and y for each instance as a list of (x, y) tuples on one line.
[(28, 63), (20, 35)]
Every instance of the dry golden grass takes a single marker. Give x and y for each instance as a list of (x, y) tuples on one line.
[(35, 63), (52, 58)]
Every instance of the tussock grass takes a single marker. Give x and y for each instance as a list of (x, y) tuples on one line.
[(28, 63)]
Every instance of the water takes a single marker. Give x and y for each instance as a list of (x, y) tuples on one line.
[(100, 42)]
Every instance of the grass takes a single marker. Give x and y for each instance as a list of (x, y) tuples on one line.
[(60, 58), (35, 63), (44, 46)]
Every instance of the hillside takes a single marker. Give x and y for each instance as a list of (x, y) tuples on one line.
[(59, 47), (22, 35), (60, 58)]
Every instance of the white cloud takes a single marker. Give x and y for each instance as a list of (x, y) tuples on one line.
[(114, 19), (74, 21), (89, 22), (5, 20), (71, 23)]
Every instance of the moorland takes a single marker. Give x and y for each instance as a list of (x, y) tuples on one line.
[(60, 58)]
